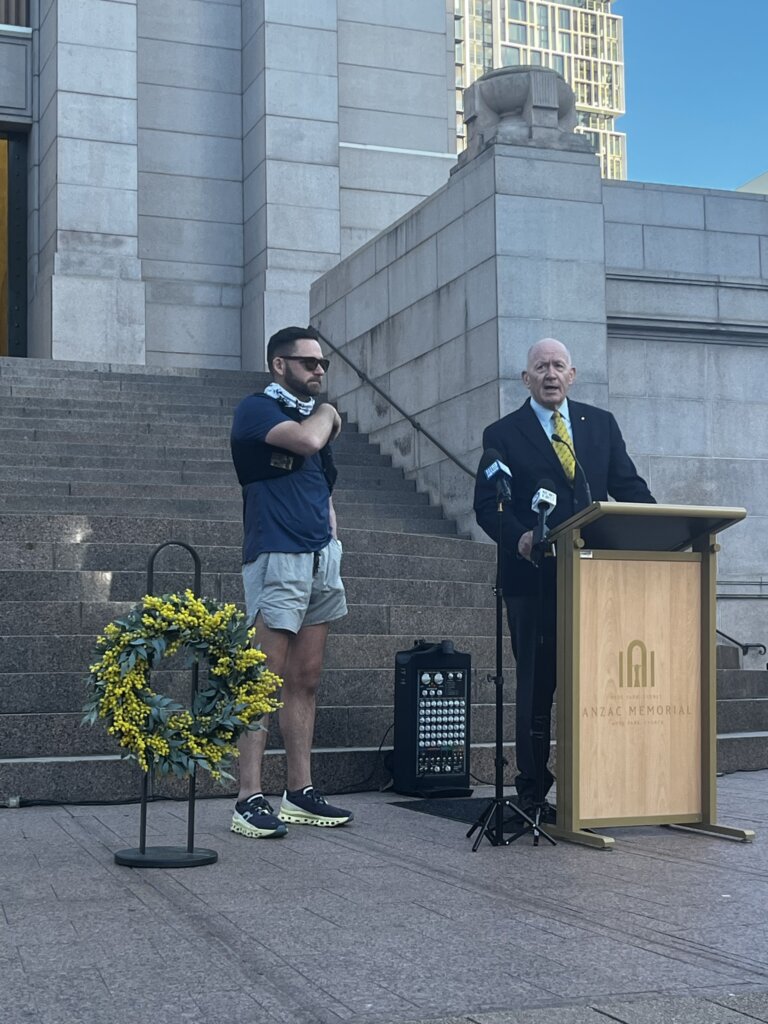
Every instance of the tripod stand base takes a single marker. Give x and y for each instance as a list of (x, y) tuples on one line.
[(166, 857)]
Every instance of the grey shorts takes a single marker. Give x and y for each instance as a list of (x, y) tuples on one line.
[(281, 587)]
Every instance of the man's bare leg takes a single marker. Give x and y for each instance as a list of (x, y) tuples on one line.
[(275, 644), (301, 678)]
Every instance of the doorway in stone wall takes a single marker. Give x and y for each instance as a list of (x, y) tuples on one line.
[(13, 244)]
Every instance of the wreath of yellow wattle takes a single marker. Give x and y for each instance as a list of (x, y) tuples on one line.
[(155, 730)]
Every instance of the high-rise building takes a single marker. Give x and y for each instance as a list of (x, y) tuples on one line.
[(581, 39)]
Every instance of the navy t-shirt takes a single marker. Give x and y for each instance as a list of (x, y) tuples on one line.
[(289, 513)]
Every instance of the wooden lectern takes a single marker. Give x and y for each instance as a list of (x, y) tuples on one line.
[(636, 669)]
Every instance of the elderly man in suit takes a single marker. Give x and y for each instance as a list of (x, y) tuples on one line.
[(525, 441)]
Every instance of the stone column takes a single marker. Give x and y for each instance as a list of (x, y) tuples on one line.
[(89, 274), (290, 162)]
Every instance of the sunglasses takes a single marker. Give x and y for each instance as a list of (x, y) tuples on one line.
[(310, 363)]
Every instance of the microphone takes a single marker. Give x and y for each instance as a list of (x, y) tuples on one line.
[(544, 501), (492, 468), (561, 440)]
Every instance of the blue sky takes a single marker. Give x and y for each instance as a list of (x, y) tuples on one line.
[(696, 74)]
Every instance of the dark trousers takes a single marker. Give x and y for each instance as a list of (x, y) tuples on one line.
[(533, 634)]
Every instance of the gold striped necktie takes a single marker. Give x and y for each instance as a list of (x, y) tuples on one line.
[(562, 451)]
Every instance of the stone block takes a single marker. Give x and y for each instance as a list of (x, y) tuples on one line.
[(398, 131), (255, 191), (97, 319), (302, 260), (107, 211), (673, 299), (736, 373), (476, 181), (332, 322), (626, 367), (624, 246), (764, 256), (526, 226), (675, 369), (547, 173), (282, 308), (678, 427), (103, 25), (368, 305), (450, 251), (413, 276), (633, 203), (743, 305), (404, 337), (422, 17), (352, 272), (164, 195), (396, 91), (214, 330), (305, 13), (16, 78), (158, 269), (480, 295), (585, 341), (186, 66), (302, 140), (47, 174), (171, 109), (200, 360), (197, 22), (287, 47), (384, 46), (197, 156), (384, 171), (701, 252), (96, 164), (293, 227), (103, 118), (254, 101), (301, 185), (741, 482), (551, 289), (740, 430), (99, 70), (302, 94), (468, 362), (736, 212), (190, 241)]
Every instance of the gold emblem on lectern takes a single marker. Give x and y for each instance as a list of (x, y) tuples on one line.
[(640, 665)]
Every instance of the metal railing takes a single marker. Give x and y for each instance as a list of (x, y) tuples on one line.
[(744, 648), (380, 391), (14, 12)]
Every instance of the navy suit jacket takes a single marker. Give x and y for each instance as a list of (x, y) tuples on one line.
[(531, 458)]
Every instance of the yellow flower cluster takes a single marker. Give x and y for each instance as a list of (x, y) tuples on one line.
[(153, 729)]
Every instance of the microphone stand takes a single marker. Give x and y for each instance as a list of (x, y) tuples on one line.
[(491, 822)]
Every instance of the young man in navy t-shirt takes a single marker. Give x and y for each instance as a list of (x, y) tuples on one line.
[(291, 559)]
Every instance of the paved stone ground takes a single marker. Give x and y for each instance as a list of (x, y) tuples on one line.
[(393, 919)]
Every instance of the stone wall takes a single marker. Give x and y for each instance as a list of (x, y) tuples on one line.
[(661, 294)]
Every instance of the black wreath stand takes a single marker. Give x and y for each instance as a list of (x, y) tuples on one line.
[(170, 856), (491, 822)]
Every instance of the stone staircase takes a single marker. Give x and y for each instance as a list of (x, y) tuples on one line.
[(98, 466)]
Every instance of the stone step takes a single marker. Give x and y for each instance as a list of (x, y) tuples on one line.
[(33, 653), (368, 481), (742, 751), (57, 692), (11, 366), (62, 735), (63, 618), (742, 683), (31, 556), (124, 448), (742, 715), (406, 516), (37, 528)]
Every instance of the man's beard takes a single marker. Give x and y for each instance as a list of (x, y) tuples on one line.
[(299, 388)]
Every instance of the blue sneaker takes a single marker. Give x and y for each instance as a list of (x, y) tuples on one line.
[(308, 807), (255, 819)]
